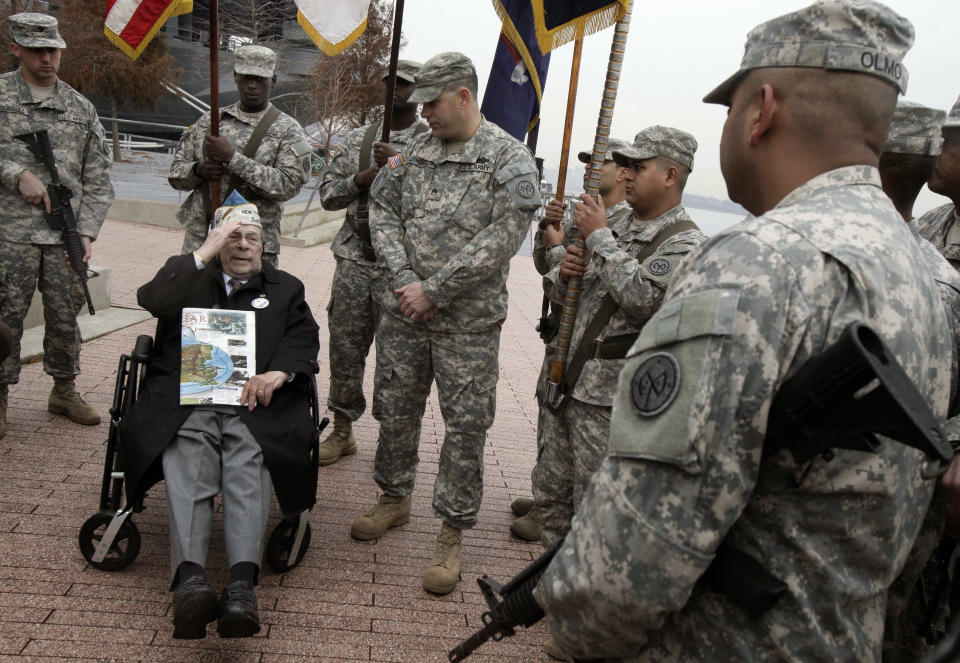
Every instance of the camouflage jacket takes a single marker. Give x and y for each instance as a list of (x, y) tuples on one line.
[(79, 149), (934, 226), (455, 222), (637, 287), (545, 259), (684, 470), (338, 189), (279, 169)]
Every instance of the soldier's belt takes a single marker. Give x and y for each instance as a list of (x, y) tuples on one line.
[(614, 347)]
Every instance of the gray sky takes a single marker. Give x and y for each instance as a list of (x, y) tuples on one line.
[(676, 53)]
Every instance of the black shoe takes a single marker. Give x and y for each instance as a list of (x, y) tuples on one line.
[(194, 606), (239, 617)]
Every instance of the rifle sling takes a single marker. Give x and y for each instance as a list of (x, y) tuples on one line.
[(249, 150), (586, 348), (361, 222)]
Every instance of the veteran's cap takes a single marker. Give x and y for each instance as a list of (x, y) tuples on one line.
[(406, 71), (236, 208), (862, 36), (612, 144), (438, 72), (953, 118), (658, 141), (34, 30), (915, 129), (251, 60)]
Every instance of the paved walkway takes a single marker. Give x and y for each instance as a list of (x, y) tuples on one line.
[(347, 601)]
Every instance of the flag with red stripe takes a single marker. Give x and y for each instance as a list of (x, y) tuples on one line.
[(132, 24)]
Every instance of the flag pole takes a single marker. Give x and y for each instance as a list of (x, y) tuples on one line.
[(392, 76), (568, 121), (571, 299), (214, 95)]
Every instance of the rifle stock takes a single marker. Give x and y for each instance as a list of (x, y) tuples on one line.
[(61, 216)]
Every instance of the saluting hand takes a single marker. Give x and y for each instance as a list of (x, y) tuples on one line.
[(216, 240)]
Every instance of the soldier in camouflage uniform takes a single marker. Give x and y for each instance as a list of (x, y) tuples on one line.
[(446, 219), (825, 248), (573, 441), (549, 247), (908, 160), (31, 253), (942, 225), (274, 173), (353, 312)]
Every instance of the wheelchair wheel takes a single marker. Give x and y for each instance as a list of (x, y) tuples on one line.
[(125, 548), (280, 543)]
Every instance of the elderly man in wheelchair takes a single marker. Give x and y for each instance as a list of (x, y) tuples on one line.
[(236, 450)]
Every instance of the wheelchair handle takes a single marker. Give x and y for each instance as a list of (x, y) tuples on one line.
[(143, 348)]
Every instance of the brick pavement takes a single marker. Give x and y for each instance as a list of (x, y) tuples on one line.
[(347, 601)]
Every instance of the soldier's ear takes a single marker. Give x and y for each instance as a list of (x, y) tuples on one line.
[(15, 49), (273, 79)]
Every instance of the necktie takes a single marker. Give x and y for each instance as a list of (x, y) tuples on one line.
[(233, 284)]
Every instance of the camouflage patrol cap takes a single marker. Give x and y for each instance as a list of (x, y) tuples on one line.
[(861, 36), (659, 141), (440, 71), (34, 30), (953, 118), (612, 144), (254, 60), (915, 129), (406, 71)]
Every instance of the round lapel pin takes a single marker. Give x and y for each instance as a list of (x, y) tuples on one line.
[(260, 302)]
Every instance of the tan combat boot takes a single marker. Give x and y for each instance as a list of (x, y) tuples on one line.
[(65, 400), (3, 409), (388, 512), (338, 443), (443, 574), (521, 506), (526, 527)]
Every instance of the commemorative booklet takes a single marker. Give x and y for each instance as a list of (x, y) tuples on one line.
[(218, 353)]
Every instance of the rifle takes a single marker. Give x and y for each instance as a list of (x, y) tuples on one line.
[(61, 215), (842, 398)]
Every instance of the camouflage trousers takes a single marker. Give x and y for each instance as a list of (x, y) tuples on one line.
[(195, 234), (23, 269), (465, 367), (571, 445), (352, 318)]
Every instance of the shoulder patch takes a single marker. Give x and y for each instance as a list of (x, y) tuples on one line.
[(655, 384), (659, 267), (395, 161), (526, 188)]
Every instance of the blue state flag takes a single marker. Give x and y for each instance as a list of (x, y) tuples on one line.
[(519, 71)]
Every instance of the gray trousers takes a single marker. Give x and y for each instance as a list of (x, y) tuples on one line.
[(214, 452)]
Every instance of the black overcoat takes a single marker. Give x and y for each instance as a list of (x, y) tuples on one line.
[(287, 340)]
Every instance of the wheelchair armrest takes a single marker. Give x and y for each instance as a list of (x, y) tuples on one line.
[(143, 348)]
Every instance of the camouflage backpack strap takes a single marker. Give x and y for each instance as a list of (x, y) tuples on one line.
[(615, 347), (253, 143), (361, 224)]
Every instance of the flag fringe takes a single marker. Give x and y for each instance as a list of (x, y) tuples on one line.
[(327, 47), (133, 52), (598, 20)]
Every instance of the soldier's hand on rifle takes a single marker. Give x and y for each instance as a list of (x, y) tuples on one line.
[(87, 245), (382, 152), (33, 190), (414, 302), (217, 148), (216, 240), (572, 263), (590, 215), (365, 178), (209, 170)]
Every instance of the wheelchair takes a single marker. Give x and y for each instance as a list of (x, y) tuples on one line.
[(110, 540)]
